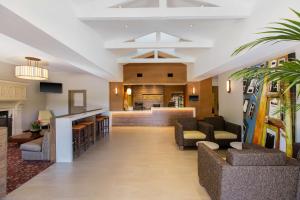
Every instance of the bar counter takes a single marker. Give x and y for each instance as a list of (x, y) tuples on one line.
[(163, 116), (64, 135)]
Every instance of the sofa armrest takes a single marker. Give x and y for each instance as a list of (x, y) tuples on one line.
[(179, 134), (234, 128), (207, 129), (46, 145), (296, 149)]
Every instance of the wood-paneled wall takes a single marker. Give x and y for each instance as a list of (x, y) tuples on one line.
[(155, 93), (116, 101), (205, 104), (3, 161), (155, 73), (171, 89)]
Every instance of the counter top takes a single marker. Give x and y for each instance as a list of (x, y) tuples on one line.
[(154, 109), (83, 114), (157, 116)]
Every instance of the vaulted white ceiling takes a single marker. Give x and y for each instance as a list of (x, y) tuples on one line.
[(96, 36)]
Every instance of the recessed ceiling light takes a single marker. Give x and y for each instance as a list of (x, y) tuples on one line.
[(191, 25)]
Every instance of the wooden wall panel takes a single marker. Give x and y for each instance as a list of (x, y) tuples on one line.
[(215, 90), (116, 101), (155, 73), (205, 104), (206, 98), (3, 161), (171, 89), (138, 92)]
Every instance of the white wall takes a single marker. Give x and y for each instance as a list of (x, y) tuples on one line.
[(97, 91), (35, 100), (235, 33), (231, 104)]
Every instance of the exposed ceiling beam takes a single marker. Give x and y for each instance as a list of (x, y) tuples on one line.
[(155, 60), (83, 50), (158, 45), (89, 13)]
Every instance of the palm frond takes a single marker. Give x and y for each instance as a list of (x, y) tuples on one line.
[(288, 72), (286, 30)]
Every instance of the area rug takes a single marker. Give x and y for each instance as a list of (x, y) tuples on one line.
[(19, 171)]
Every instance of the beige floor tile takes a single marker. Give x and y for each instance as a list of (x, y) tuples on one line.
[(134, 163)]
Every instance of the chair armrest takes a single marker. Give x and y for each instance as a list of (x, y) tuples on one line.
[(207, 129), (296, 148), (179, 134), (234, 128)]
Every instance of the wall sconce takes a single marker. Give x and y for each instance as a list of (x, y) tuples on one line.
[(129, 91), (228, 86), (116, 91), (194, 90)]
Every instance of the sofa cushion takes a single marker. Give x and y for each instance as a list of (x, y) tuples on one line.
[(34, 145), (218, 122), (194, 135), (221, 135), (256, 157)]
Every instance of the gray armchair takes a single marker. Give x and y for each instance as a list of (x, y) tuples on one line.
[(38, 149), (249, 174), (224, 132), (189, 131)]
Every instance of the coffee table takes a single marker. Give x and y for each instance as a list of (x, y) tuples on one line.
[(24, 137)]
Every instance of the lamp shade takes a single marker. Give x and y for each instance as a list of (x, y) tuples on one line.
[(31, 72), (128, 91)]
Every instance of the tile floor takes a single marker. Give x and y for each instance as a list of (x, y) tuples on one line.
[(134, 163)]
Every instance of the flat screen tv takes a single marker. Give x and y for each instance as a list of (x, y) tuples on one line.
[(51, 87), (194, 98)]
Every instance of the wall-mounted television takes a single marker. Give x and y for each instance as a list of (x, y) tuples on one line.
[(194, 98), (51, 87)]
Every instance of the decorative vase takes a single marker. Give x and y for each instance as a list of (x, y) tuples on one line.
[(35, 131)]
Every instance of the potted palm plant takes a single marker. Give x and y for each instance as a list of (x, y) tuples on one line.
[(287, 72)]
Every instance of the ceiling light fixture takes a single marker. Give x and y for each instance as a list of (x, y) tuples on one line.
[(31, 71)]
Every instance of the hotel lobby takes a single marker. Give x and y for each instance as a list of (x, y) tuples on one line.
[(149, 99)]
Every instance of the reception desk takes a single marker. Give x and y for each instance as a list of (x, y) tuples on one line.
[(64, 135), (154, 117)]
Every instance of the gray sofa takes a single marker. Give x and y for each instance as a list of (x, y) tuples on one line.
[(188, 131), (38, 149), (248, 174)]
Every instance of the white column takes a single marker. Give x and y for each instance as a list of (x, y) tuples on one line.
[(163, 3)]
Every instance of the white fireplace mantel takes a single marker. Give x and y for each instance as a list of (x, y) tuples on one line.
[(12, 91), (12, 97)]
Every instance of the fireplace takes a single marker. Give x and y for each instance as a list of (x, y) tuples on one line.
[(6, 121)]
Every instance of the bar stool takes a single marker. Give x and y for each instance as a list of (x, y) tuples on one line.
[(100, 126), (106, 125), (90, 131), (79, 138)]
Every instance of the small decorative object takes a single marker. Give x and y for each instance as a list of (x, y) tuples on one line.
[(36, 127)]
